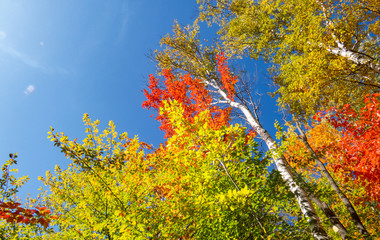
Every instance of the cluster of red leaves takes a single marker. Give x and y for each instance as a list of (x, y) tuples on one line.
[(357, 153), (227, 79), (250, 135), (13, 213), (190, 93)]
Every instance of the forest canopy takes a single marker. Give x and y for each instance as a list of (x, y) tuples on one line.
[(220, 174)]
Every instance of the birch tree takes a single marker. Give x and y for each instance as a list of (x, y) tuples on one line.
[(216, 77), (323, 52), (326, 141)]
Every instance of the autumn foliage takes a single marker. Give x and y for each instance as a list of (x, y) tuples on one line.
[(357, 153), (191, 93), (13, 213), (209, 178), (228, 81)]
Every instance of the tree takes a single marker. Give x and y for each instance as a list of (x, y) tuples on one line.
[(17, 222), (186, 90), (105, 192), (265, 29), (192, 95), (202, 182), (217, 185), (357, 151), (324, 53), (350, 153), (208, 179), (319, 141), (223, 88)]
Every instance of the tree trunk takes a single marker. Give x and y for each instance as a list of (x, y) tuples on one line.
[(334, 219), (303, 200), (342, 196)]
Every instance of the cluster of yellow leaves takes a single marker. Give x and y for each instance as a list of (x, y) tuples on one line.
[(105, 182), (319, 136), (297, 37), (202, 182)]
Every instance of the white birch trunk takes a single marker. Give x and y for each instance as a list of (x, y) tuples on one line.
[(341, 50), (357, 58), (282, 166)]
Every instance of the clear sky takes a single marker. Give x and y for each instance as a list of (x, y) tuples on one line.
[(61, 59)]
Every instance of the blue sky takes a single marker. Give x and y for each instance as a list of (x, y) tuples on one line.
[(61, 59)]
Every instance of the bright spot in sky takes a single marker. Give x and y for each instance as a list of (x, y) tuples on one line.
[(2, 35), (29, 89), (42, 43)]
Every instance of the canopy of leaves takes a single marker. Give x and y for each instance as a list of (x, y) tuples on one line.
[(324, 53), (16, 221), (203, 182), (208, 180), (331, 144), (192, 95), (105, 191), (357, 152)]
